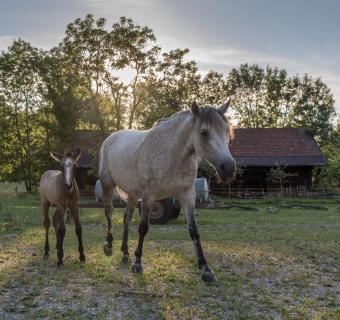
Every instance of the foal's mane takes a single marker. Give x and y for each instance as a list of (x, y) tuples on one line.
[(68, 153)]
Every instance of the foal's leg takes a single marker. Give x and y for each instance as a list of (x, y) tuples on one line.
[(130, 207), (45, 204), (108, 189), (78, 229), (187, 201), (143, 229), (60, 230)]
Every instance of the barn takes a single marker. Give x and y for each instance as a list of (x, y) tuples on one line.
[(256, 151)]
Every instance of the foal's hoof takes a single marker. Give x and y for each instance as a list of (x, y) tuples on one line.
[(125, 258), (46, 256), (82, 258), (137, 268), (208, 276), (107, 250)]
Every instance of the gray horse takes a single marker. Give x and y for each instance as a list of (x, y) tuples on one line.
[(162, 162)]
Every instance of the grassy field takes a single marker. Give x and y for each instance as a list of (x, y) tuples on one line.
[(282, 265)]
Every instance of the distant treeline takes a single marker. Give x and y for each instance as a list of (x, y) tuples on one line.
[(46, 95)]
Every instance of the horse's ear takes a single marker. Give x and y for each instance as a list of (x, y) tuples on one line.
[(224, 107), (195, 109), (77, 154), (56, 156)]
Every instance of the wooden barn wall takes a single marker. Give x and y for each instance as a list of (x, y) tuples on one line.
[(85, 181), (257, 177)]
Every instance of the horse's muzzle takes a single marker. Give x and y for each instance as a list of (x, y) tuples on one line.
[(227, 170)]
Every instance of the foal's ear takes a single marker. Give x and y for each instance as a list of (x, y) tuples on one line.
[(224, 107), (56, 156), (195, 109), (77, 154)]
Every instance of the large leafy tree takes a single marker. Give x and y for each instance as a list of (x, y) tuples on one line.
[(21, 102), (62, 89), (269, 98)]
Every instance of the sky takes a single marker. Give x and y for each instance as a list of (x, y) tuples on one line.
[(302, 36)]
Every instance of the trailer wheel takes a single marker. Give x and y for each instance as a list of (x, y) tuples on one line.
[(163, 210)]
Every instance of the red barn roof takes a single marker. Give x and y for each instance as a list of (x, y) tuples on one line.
[(270, 146)]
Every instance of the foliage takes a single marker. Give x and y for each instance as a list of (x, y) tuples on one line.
[(205, 170), (279, 175), (269, 98), (23, 136), (81, 83), (329, 175)]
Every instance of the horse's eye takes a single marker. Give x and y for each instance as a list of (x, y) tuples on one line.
[(204, 132)]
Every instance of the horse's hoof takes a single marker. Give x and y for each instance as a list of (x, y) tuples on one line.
[(107, 250), (208, 276), (137, 268), (125, 258), (46, 256), (82, 258), (60, 265)]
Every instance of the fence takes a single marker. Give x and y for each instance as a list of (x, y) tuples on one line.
[(260, 193)]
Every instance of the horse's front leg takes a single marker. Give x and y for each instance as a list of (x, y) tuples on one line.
[(187, 201), (78, 230), (143, 230), (130, 207), (60, 230)]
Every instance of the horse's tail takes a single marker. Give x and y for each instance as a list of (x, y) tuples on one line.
[(122, 194)]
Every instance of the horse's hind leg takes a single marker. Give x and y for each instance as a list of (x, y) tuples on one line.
[(108, 189), (187, 201), (130, 207), (143, 230), (45, 204), (78, 229)]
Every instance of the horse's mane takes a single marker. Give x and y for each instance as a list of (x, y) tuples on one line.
[(206, 115)]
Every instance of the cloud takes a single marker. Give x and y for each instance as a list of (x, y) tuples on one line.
[(224, 58), (109, 6), (5, 42)]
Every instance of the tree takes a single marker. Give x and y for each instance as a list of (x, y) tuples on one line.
[(100, 56), (169, 89), (311, 106), (246, 86), (212, 89), (19, 93), (329, 175), (279, 175), (62, 89), (269, 98)]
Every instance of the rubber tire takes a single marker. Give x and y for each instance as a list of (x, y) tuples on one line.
[(170, 210), (163, 210)]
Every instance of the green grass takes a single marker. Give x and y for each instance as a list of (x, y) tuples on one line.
[(282, 265)]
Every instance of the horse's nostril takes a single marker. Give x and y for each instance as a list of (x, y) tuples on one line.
[(228, 168)]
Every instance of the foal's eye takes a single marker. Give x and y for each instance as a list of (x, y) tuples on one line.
[(204, 132)]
